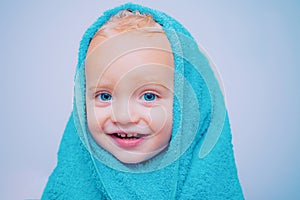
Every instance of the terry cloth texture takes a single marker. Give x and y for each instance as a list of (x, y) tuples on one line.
[(199, 162)]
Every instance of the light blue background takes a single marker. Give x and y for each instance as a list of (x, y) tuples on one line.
[(255, 45)]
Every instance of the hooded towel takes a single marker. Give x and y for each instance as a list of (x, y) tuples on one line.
[(199, 162)]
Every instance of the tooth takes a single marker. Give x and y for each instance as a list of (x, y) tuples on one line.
[(135, 134), (123, 134), (119, 134), (129, 135)]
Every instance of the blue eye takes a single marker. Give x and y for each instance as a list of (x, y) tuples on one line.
[(104, 97), (149, 97)]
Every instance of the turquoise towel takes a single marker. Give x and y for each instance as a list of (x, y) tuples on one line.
[(199, 162)]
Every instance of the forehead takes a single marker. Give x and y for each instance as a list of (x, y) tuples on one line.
[(129, 52), (108, 49)]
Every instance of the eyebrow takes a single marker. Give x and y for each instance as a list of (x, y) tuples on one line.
[(104, 83), (93, 88), (155, 85)]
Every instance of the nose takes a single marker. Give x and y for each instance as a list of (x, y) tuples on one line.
[(123, 112)]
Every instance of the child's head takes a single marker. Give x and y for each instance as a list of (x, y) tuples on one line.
[(129, 87)]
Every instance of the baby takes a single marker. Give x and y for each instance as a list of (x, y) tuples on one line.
[(129, 87), (148, 120)]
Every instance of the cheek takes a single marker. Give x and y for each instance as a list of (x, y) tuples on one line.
[(161, 119), (96, 117)]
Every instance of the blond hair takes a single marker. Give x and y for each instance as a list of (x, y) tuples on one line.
[(126, 20)]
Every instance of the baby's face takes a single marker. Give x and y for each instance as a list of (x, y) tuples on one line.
[(129, 94)]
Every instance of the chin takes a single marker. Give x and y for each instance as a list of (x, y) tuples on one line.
[(133, 159), (136, 158)]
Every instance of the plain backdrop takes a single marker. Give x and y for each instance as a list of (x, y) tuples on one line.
[(255, 45)]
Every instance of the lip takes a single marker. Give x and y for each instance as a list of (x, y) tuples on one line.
[(127, 143)]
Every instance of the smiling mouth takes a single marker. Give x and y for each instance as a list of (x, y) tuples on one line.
[(128, 136), (128, 140)]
